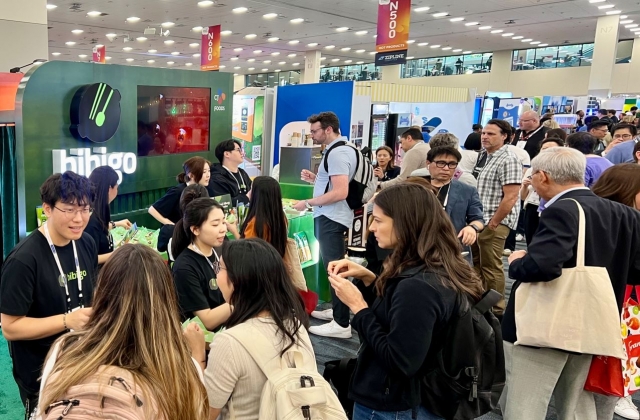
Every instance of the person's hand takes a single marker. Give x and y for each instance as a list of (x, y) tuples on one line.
[(195, 338), (378, 172), (492, 225), (76, 320), (348, 293), (468, 235), (124, 223), (347, 268), (300, 205), (516, 255), (526, 182), (308, 176), (613, 143), (233, 227)]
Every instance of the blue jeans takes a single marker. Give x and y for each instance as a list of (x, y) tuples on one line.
[(360, 412)]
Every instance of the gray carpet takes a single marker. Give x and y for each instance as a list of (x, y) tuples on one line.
[(331, 349)]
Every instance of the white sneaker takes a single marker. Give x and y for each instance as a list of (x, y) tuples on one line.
[(519, 237), (626, 409), (332, 329), (326, 315)]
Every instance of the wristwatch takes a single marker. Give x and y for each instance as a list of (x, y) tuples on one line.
[(113, 225), (474, 227), (307, 205)]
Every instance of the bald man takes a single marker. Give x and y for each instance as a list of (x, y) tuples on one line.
[(530, 133)]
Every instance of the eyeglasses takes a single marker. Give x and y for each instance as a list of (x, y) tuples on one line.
[(622, 136), (313, 132), (70, 214), (442, 164)]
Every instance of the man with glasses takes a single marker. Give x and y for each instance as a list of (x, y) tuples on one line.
[(620, 150), (600, 130), (47, 280), (530, 133), (229, 177)]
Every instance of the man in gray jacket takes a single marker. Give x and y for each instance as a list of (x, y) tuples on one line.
[(415, 156)]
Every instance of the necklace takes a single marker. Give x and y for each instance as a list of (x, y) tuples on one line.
[(213, 283)]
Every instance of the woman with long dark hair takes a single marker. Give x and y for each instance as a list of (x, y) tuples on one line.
[(620, 183), (105, 182), (418, 293), (195, 237), (384, 168), (133, 334), (166, 210), (265, 305)]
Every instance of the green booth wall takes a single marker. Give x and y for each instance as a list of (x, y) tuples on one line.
[(43, 108)]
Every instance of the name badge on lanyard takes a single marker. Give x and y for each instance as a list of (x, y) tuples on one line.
[(522, 143)]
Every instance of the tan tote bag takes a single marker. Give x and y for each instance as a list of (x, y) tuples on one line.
[(292, 262), (576, 312)]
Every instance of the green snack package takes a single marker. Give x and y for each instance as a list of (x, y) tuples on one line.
[(208, 335)]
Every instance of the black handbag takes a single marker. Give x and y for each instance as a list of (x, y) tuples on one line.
[(338, 373)]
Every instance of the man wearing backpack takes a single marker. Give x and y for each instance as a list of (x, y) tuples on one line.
[(332, 215)]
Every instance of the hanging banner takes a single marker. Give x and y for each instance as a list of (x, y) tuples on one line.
[(99, 54), (394, 17), (210, 48)]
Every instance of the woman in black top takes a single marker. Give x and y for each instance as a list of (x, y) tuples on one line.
[(167, 210), (201, 229), (384, 169), (417, 294), (105, 182)]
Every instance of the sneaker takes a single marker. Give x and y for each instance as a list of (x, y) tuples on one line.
[(332, 329), (519, 238), (326, 315), (626, 409), (506, 252)]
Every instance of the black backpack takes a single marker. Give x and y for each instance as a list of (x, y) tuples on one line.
[(467, 376), (363, 185)]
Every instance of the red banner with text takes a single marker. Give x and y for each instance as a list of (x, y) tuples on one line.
[(394, 18), (99, 54), (210, 48)]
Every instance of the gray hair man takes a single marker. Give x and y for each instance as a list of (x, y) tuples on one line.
[(530, 133), (535, 374)]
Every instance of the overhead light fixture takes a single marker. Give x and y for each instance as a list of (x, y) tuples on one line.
[(497, 31), (535, 42), (94, 13), (206, 3), (297, 20), (129, 60), (634, 25), (472, 23), (484, 28), (270, 15), (359, 62), (625, 21), (77, 31), (410, 58), (51, 6), (372, 53), (527, 40), (360, 51), (70, 43), (237, 49), (345, 49), (82, 55), (267, 61), (153, 51), (436, 46), (175, 53), (624, 17), (440, 14), (348, 61), (335, 59), (457, 50), (167, 24), (275, 53), (614, 12), (234, 58), (457, 19), (236, 67), (257, 51), (597, 1), (151, 61), (294, 42), (291, 55), (313, 44), (421, 9), (282, 62), (197, 28), (226, 32), (543, 45), (634, 29), (133, 19), (323, 58), (362, 32), (251, 68), (171, 62), (251, 60), (141, 38), (265, 69), (607, 6), (55, 54), (342, 29), (107, 58), (329, 47), (194, 45), (188, 64), (508, 34), (250, 36), (518, 37), (169, 42), (446, 48), (467, 52), (239, 10), (273, 39), (422, 44), (411, 41)]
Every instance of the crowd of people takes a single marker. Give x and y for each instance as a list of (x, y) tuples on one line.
[(78, 313)]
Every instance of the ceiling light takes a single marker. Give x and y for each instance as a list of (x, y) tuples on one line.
[(267, 61), (277, 70), (250, 36), (236, 67), (347, 61), (497, 31), (167, 24), (482, 28), (234, 58), (362, 32), (596, 1), (445, 49), (372, 53), (440, 14), (133, 19), (82, 55), (359, 62), (206, 3), (196, 55), (411, 41), (634, 25), (508, 34), (435, 46), (170, 62), (458, 19), (282, 62), (51, 6), (329, 47), (94, 14), (270, 15), (169, 42), (226, 32), (517, 37), (194, 45), (153, 51), (291, 55), (457, 50), (421, 9), (422, 44), (471, 23), (129, 59), (313, 44), (626, 21), (606, 6), (275, 53), (107, 58), (188, 64), (197, 28), (294, 42), (410, 58), (251, 68), (345, 49), (257, 51), (251, 60), (535, 42), (265, 69), (297, 20), (624, 17), (634, 29), (77, 31), (151, 61), (614, 12), (111, 36), (237, 49), (141, 38), (175, 53), (273, 39), (342, 29), (55, 53), (375, 36), (543, 45), (70, 43), (527, 40), (239, 10)]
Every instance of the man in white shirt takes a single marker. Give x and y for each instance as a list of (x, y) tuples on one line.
[(415, 156)]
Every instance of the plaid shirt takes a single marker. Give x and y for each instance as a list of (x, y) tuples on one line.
[(502, 168)]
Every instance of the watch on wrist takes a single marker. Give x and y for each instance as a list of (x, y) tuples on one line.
[(113, 225), (474, 227)]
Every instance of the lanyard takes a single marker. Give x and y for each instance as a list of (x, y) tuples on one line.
[(213, 284), (524, 137), (446, 198), (243, 189), (62, 275)]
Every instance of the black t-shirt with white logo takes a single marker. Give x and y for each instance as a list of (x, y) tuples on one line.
[(30, 286)]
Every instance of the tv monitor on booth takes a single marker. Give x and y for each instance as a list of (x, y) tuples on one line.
[(173, 120)]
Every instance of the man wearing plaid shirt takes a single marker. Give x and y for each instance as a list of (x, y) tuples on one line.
[(499, 174)]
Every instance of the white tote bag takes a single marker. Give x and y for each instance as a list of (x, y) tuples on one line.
[(576, 312)]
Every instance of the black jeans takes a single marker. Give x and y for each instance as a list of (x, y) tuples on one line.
[(29, 400), (331, 237)]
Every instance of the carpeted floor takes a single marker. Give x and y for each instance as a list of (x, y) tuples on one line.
[(325, 349)]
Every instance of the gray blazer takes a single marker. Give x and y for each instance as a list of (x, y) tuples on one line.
[(464, 205)]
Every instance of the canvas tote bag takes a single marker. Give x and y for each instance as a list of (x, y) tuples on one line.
[(576, 312)]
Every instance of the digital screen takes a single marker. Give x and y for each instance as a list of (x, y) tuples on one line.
[(173, 120)]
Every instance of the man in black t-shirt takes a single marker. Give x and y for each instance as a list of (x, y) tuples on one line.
[(35, 306), (530, 134), (228, 177)]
